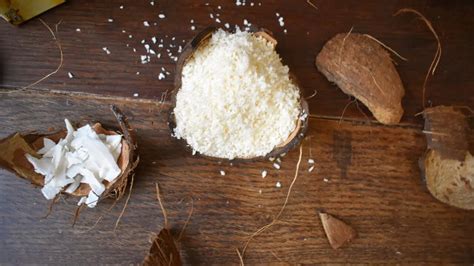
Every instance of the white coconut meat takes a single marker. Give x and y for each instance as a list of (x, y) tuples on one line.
[(236, 99), (83, 156)]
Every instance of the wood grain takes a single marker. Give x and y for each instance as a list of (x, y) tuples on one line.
[(377, 190), (28, 52)]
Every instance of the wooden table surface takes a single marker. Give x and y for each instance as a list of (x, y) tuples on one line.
[(373, 180)]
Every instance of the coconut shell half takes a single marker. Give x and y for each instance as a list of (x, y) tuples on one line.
[(448, 164), (201, 39), (15, 147), (363, 68)]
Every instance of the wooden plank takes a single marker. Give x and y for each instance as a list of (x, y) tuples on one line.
[(28, 52), (373, 184)]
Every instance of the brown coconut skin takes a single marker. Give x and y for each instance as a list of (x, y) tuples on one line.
[(363, 68), (448, 164)]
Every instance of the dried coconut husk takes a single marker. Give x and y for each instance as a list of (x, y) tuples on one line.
[(163, 251), (448, 164), (201, 39), (15, 147), (361, 67)]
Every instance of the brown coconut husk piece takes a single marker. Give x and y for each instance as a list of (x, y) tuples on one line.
[(201, 39), (448, 164), (337, 231), (15, 147), (361, 67), (163, 251)]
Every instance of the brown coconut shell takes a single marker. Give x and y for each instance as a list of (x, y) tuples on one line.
[(15, 147), (448, 164), (201, 39), (361, 67), (337, 231)]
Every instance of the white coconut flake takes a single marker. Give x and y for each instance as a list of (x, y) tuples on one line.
[(276, 166), (222, 172), (278, 184), (106, 50), (325, 180), (311, 169), (146, 24), (135, 95), (78, 30), (110, 20), (193, 27), (162, 16), (264, 173), (161, 76), (82, 156), (310, 161), (70, 75)]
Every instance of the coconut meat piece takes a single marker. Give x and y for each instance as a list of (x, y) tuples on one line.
[(83, 156)]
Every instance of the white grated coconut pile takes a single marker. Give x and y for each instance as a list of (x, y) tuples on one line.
[(83, 156), (236, 99)]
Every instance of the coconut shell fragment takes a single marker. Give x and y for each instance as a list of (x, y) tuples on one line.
[(448, 164), (361, 67), (15, 147), (163, 251), (337, 231)]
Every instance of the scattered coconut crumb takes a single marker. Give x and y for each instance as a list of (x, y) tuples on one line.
[(146, 24), (161, 76), (121, 7), (311, 169), (264, 173), (193, 27), (281, 22), (260, 191), (153, 39), (326, 180), (135, 94), (110, 20), (222, 172), (138, 73), (227, 25), (278, 184), (152, 3), (310, 161), (162, 16), (78, 30), (276, 166), (106, 50), (70, 75)]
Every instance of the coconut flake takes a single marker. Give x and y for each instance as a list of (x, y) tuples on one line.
[(83, 156)]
